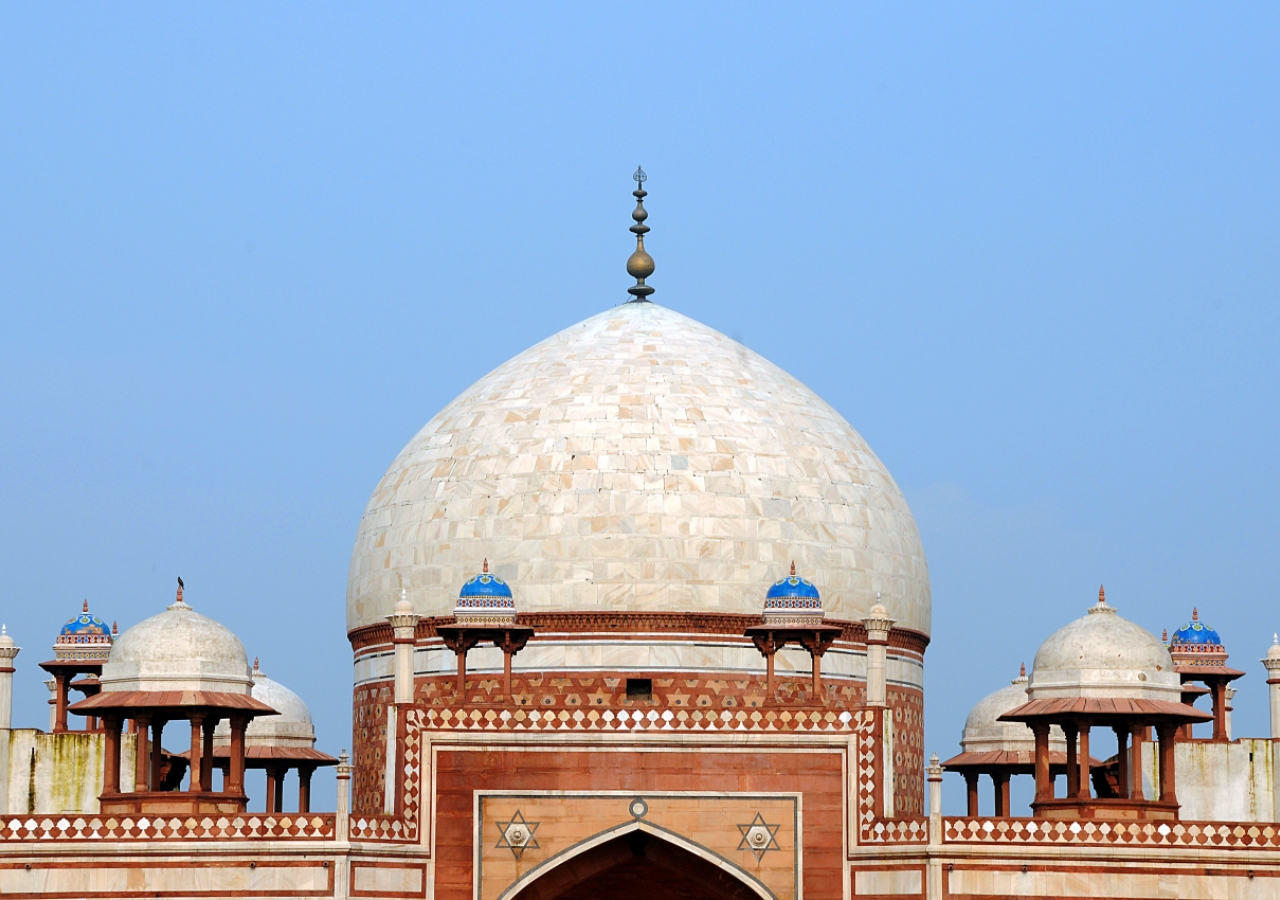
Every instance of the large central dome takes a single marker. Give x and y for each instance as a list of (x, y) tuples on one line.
[(638, 461)]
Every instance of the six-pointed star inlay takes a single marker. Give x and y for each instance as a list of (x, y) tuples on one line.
[(759, 837), (517, 835)]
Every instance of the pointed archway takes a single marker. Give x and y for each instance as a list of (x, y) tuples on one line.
[(639, 865)]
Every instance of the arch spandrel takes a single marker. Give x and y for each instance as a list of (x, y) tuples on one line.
[(700, 846)]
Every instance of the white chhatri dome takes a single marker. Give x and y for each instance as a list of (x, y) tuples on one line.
[(1102, 655), (178, 650), (638, 461), (292, 727), (985, 733)]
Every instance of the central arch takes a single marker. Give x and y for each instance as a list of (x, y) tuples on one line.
[(638, 864)]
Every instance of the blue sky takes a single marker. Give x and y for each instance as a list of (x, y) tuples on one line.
[(1029, 251)]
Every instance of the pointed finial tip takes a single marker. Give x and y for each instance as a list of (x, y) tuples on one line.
[(1195, 614), (115, 629), (639, 176), (4, 629), (1022, 671), (1275, 638), (85, 608), (486, 565), (1102, 594), (793, 567), (1164, 635)]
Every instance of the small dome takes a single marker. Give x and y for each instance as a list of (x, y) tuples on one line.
[(485, 599), (291, 728), (178, 650), (1103, 655), (793, 600), (84, 638), (985, 733), (84, 624), (1196, 632)]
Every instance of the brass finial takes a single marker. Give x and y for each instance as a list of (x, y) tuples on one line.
[(640, 263)]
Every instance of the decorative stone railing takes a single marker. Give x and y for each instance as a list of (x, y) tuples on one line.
[(276, 826), (1112, 834)]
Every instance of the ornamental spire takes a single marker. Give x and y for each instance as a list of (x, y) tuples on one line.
[(640, 263)]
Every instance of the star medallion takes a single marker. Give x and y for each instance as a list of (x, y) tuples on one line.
[(517, 835), (759, 837)]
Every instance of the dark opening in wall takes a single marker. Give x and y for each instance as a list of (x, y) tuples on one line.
[(639, 688)]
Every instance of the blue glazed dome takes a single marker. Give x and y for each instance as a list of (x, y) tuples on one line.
[(485, 585), (793, 587), (85, 624), (793, 601), (1196, 632), (485, 600)]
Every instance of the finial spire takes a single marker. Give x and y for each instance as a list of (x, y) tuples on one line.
[(1022, 671), (1195, 614), (793, 567), (85, 608), (486, 565), (1164, 635), (640, 263), (115, 629), (1102, 594)]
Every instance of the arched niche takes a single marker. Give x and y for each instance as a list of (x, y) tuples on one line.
[(638, 862)]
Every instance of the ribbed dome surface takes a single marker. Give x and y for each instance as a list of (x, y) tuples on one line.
[(638, 461)]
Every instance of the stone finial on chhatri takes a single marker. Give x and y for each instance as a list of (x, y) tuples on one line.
[(640, 263), (935, 768), (115, 628), (1022, 671), (1101, 606), (85, 608), (178, 602)]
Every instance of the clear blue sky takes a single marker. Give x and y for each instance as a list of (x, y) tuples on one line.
[(1029, 251)]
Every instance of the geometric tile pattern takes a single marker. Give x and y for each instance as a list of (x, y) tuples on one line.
[(150, 828), (1237, 835), (403, 828)]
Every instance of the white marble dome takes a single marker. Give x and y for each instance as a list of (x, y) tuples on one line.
[(985, 733), (292, 727), (638, 461), (1102, 655), (178, 650)]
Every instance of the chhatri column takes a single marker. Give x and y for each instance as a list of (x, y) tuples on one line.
[(197, 753), (1083, 779), (1044, 785), (878, 625), (1073, 760), (1122, 760), (971, 792), (111, 754), (304, 787), (1139, 733), (8, 651), (142, 756), (1166, 732)]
